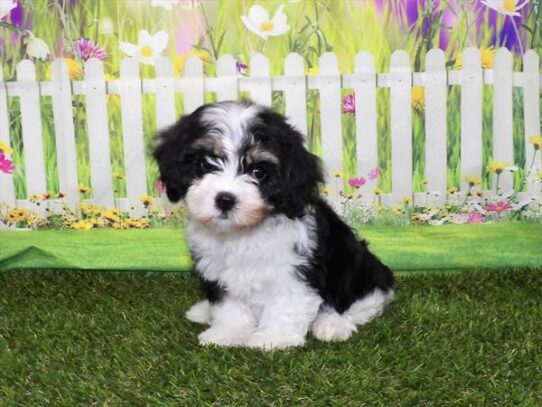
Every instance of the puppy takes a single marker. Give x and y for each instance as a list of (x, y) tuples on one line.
[(273, 258)]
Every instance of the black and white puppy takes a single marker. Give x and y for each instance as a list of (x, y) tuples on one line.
[(273, 258)]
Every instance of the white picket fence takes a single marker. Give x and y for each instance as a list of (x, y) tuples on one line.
[(294, 84)]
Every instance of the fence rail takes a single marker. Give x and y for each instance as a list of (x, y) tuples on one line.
[(260, 84)]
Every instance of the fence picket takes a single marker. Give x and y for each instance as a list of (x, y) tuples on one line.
[(98, 130), (194, 96), (132, 134), (366, 128), (436, 164), (7, 189), (471, 116), (165, 93), (226, 73), (32, 130), (64, 133), (401, 126), (531, 114), (503, 143), (329, 84), (295, 93), (260, 81)]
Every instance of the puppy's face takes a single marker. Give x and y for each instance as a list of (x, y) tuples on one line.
[(236, 163)]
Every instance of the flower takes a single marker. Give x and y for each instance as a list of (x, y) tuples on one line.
[(473, 180), (425, 181), (146, 200), (337, 173), (46, 195), (357, 182), (240, 67), (113, 99), (374, 173), (497, 167), (259, 23), (6, 6), (179, 60), (475, 217), (148, 46), (538, 176), (536, 141), (6, 166), (75, 71), (406, 200), (349, 104), (83, 189), (87, 49), (160, 186), (487, 58), (459, 218), (377, 191), (119, 176), (82, 225), (313, 70), (60, 195), (498, 207), (111, 215), (36, 198), (452, 190), (165, 4), (36, 47), (4, 148), (326, 191), (417, 98), (506, 7)]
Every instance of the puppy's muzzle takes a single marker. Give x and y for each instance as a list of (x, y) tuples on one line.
[(225, 201)]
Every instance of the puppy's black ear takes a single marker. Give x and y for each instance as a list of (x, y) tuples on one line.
[(172, 154), (302, 175)]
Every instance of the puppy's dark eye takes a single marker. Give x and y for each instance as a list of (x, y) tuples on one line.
[(207, 166), (259, 172)]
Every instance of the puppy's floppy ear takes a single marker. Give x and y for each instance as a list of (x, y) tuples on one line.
[(301, 177), (172, 153)]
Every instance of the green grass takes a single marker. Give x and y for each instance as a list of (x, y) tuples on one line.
[(88, 338), (409, 249)]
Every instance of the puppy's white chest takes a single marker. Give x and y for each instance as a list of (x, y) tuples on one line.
[(256, 263)]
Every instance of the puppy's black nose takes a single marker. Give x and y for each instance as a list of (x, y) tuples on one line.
[(225, 201)]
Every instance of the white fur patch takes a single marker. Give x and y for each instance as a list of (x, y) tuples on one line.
[(200, 313)]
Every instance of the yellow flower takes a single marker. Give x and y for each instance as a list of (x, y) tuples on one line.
[(406, 200), (4, 148), (47, 195), (377, 191), (82, 225), (17, 215), (487, 59), (425, 181), (418, 99), (119, 176), (337, 173), (313, 70), (113, 99), (95, 210), (473, 180), (137, 223), (326, 191), (36, 198), (75, 71), (536, 141), (452, 190), (84, 189), (397, 210), (179, 60), (10, 217), (497, 167), (111, 215), (538, 176), (146, 200), (60, 195)]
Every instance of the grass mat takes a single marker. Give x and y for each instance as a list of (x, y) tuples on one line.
[(451, 247), (90, 338)]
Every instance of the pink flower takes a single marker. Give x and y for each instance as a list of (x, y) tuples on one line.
[(475, 218), (87, 49), (6, 166), (498, 207), (459, 218), (159, 185), (349, 104), (357, 182), (374, 173)]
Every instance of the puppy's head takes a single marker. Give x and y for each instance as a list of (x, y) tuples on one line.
[(236, 163)]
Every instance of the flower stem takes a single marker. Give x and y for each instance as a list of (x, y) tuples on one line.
[(209, 35), (497, 188)]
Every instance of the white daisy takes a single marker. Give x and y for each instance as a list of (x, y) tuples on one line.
[(148, 47), (6, 6), (36, 47), (259, 23), (506, 7)]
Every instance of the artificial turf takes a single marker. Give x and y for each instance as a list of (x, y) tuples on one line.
[(408, 249), (95, 338)]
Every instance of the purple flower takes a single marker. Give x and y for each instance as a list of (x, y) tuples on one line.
[(160, 186), (87, 49), (6, 166), (349, 104), (241, 68), (374, 173), (475, 218), (357, 182)]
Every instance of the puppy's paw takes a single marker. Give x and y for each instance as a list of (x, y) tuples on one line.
[(222, 337), (332, 327), (200, 313), (272, 340)]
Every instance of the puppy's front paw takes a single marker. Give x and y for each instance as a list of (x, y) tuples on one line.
[(272, 340), (222, 337), (332, 327)]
